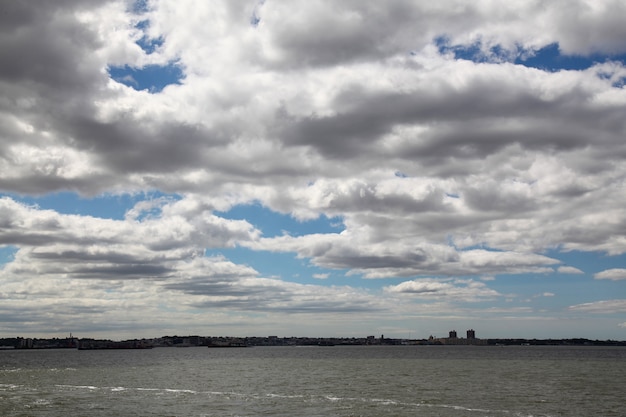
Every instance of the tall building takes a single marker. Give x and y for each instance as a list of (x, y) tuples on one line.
[(471, 334), (453, 334)]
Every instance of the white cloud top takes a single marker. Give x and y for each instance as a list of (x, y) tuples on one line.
[(615, 274)]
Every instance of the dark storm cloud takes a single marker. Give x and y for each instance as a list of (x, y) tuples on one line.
[(133, 146), (112, 271), (105, 262), (346, 261), (42, 42)]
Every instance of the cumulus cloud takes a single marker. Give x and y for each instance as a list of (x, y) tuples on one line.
[(55, 249), (466, 290), (615, 274), (380, 258)]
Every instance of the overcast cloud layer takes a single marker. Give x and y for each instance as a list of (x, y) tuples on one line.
[(444, 175)]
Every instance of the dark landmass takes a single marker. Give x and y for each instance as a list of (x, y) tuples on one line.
[(208, 341)]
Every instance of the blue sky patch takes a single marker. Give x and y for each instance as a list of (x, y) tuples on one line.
[(6, 254), (140, 6), (548, 58), (588, 262), (146, 43), (285, 266), (276, 224), (105, 206), (153, 78), (473, 52)]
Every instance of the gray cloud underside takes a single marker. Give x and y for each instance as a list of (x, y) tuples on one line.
[(344, 109)]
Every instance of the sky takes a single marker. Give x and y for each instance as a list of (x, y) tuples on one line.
[(313, 168)]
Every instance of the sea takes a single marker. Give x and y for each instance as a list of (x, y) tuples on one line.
[(442, 381)]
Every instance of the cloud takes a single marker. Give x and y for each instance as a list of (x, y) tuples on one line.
[(86, 247), (426, 288), (601, 307), (615, 274), (356, 111), (154, 259), (565, 269), (374, 258), (321, 276), (218, 283), (324, 33), (545, 294)]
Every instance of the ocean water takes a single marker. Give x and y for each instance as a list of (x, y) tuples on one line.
[(444, 381)]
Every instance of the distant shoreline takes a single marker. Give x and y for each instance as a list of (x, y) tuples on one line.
[(217, 342)]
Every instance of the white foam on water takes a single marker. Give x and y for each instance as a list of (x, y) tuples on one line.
[(185, 391), (333, 398), (390, 402), (10, 370), (283, 396), (259, 396), (384, 401), (89, 387)]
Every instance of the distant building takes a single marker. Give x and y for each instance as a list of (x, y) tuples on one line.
[(453, 334), (26, 343), (471, 334)]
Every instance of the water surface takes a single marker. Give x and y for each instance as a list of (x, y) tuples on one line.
[(443, 381)]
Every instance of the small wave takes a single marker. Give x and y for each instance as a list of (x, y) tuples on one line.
[(146, 389), (384, 401), (333, 398), (89, 387), (283, 396), (458, 407), (39, 402), (329, 398), (390, 402), (184, 391), (10, 370)]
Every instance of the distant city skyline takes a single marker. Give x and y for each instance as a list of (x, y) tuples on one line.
[(313, 168), (251, 341)]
